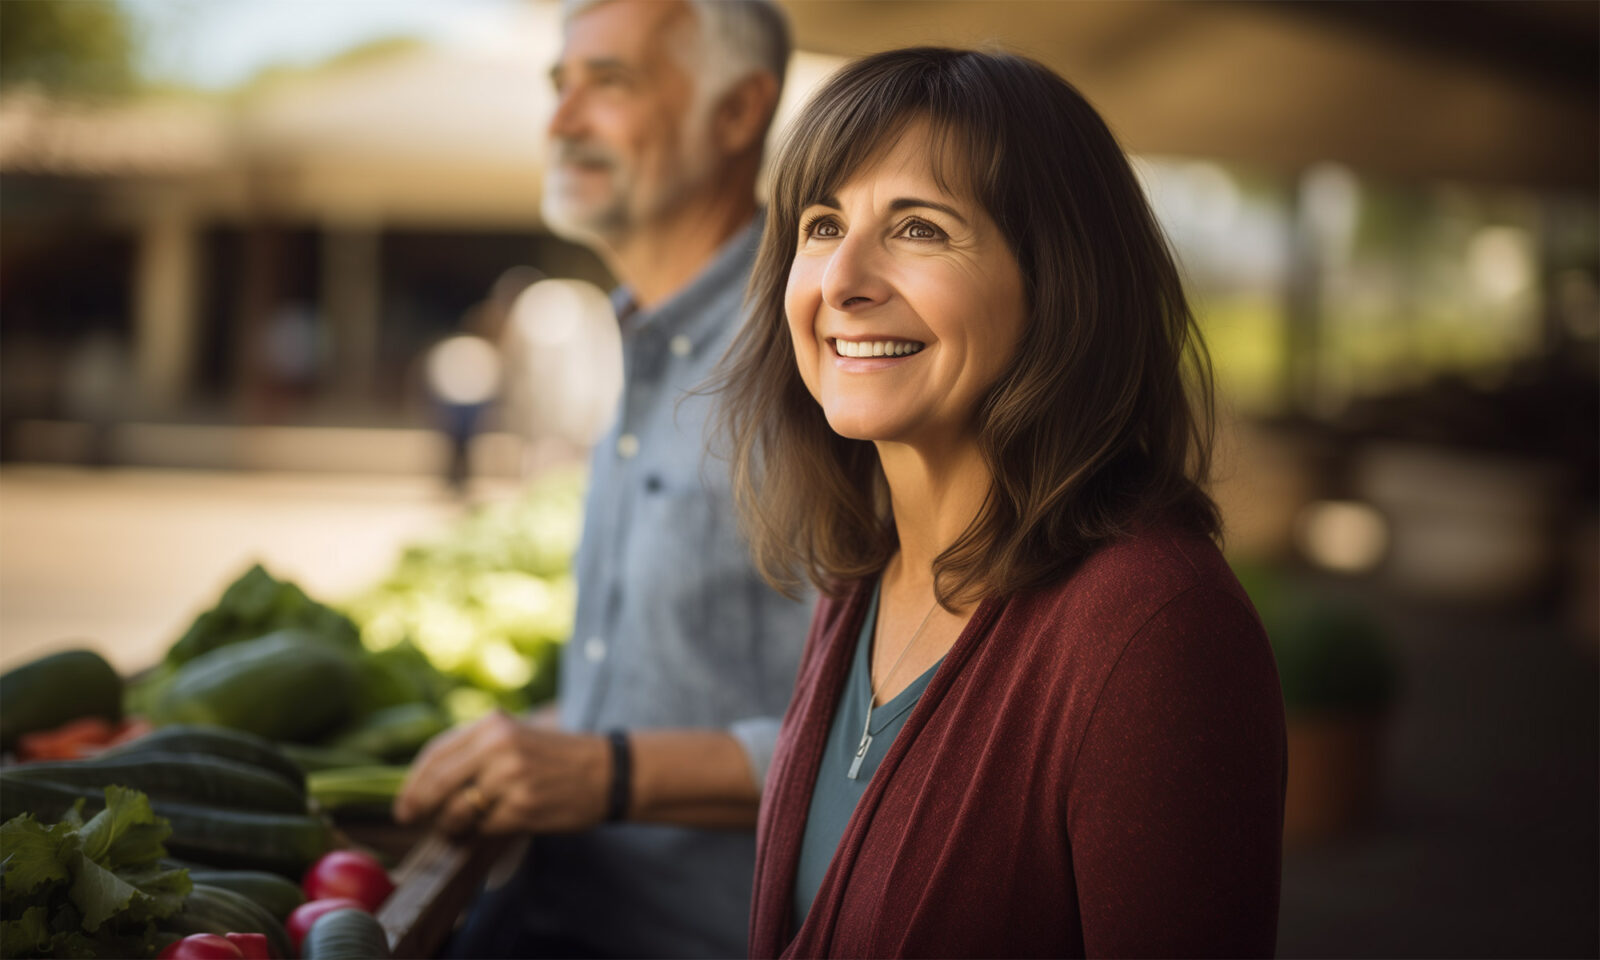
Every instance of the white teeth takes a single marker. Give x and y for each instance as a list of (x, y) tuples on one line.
[(875, 348)]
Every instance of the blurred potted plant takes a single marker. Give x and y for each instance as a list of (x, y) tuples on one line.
[(1340, 680)]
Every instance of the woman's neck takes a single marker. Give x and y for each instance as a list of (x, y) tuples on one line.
[(935, 494)]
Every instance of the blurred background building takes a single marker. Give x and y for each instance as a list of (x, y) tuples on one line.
[(232, 236)]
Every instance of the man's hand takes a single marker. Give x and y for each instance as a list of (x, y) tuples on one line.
[(499, 775)]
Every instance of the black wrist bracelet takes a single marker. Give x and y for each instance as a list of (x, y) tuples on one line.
[(621, 777)]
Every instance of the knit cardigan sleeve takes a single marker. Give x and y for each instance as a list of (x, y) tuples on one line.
[(1168, 805)]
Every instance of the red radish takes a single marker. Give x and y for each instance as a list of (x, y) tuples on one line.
[(203, 946), (300, 921), (252, 946), (346, 873)]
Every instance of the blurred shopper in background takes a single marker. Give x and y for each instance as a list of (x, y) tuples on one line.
[(1037, 715), (681, 660)]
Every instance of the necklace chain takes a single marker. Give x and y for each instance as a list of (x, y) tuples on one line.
[(872, 692)]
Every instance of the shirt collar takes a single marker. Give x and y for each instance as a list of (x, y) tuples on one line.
[(685, 310)]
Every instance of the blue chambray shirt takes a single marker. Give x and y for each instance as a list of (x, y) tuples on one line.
[(674, 628)]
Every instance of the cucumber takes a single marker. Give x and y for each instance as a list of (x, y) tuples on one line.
[(284, 686), (48, 802), (281, 843), (313, 759), (50, 691), (277, 895), (216, 742), (346, 935), (183, 777), (218, 910), (394, 733)]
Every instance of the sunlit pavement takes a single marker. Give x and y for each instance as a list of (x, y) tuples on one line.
[(121, 560)]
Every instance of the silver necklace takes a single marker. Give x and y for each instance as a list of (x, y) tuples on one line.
[(872, 693)]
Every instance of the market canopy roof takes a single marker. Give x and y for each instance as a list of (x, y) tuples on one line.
[(1499, 92), (1493, 92)]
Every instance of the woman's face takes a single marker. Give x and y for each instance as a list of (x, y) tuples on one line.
[(904, 302)]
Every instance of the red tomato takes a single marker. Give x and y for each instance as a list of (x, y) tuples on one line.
[(346, 873), (202, 946), (252, 946), (70, 741), (300, 921)]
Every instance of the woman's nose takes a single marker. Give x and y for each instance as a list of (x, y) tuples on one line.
[(854, 278)]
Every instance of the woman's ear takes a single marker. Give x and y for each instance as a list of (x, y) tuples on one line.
[(744, 113)]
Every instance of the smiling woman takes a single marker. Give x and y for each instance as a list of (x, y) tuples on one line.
[(1036, 714)]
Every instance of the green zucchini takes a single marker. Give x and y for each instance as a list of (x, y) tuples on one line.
[(48, 692), (313, 759), (346, 935), (185, 778), (281, 843), (277, 895), (284, 686), (218, 910), (216, 742), (394, 733)]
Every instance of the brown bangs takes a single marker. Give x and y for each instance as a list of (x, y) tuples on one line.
[(1101, 423)]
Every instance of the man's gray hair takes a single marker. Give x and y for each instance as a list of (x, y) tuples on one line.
[(739, 37)]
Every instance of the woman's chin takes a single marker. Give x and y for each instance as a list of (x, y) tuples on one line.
[(859, 425)]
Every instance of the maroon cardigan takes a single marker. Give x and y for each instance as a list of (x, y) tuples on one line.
[(1096, 769)]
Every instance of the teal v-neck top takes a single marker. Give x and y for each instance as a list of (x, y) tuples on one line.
[(834, 797)]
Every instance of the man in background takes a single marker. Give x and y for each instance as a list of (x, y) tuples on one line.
[(682, 660)]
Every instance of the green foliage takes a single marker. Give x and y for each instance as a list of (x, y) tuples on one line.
[(488, 604), (67, 46), (255, 605), (1332, 657), (95, 889)]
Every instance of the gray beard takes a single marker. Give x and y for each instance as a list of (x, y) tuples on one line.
[(589, 229)]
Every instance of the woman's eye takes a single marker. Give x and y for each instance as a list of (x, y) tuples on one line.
[(822, 228), (917, 230)]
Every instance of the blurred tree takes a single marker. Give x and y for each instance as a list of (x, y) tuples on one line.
[(67, 46)]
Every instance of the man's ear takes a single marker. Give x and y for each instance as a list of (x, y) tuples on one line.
[(744, 113)]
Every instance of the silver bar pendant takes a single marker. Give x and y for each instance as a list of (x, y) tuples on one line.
[(861, 754)]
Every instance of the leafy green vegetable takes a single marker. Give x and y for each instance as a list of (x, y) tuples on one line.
[(489, 603), (257, 604), (95, 889)]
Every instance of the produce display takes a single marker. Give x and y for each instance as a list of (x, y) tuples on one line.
[(173, 813), (106, 888), (222, 811)]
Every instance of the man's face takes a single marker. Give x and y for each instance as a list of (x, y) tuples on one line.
[(625, 145)]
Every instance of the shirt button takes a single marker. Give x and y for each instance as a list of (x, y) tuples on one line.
[(680, 346), (627, 446), (595, 649)]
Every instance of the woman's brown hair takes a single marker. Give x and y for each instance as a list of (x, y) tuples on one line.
[(1102, 421)]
